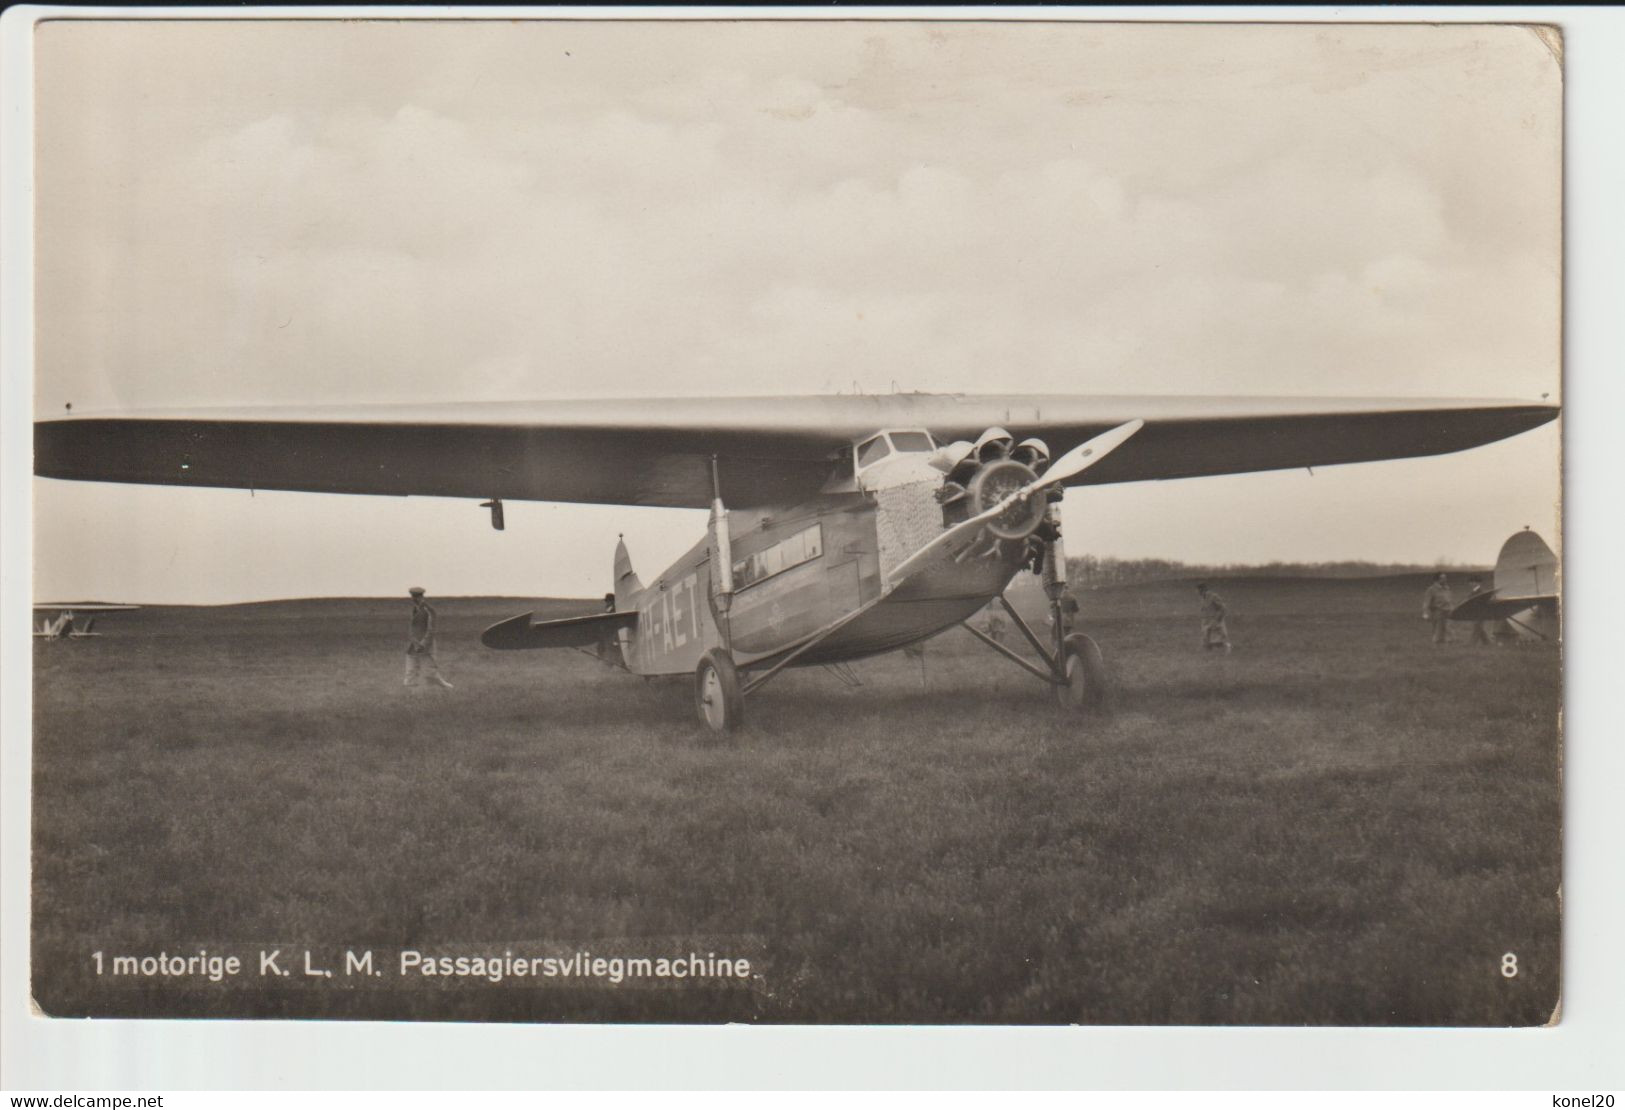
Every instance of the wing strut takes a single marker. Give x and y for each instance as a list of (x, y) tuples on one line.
[(1025, 664), (722, 581)]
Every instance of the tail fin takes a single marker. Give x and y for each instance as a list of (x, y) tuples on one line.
[(1526, 567), (627, 586)]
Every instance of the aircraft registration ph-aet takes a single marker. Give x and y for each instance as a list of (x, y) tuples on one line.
[(840, 527)]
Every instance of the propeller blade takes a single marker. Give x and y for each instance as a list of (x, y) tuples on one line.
[(1074, 462), (1085, 455)]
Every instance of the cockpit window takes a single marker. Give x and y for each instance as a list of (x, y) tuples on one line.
[(911, 441), (873, 451)]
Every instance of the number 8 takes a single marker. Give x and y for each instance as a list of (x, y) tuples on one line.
[(1509, 965)]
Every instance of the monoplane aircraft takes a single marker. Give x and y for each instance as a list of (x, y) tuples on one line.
[(1524, 593), (840, 527), (63, 624)]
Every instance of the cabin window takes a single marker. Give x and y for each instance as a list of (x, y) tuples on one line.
[(873, 451), (792, 551), (912, 441), (812, 542)]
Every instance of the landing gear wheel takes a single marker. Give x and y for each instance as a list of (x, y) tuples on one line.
[(716, 692), (1087, 689)]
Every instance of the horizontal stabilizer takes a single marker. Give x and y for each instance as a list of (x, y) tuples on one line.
[(1490, 606), (522, 632)]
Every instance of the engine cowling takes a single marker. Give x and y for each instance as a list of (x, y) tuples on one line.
[(980, 475), (994, 482)]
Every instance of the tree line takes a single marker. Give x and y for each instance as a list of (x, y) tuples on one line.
[(1099, 570)]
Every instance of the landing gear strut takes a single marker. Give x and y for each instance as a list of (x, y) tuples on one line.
[(718, 696), (1077, 671), (1073, 665)]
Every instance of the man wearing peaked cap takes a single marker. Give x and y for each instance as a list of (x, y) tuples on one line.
[(420, 660)]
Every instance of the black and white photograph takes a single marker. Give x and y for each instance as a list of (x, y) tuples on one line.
[(888, 521)]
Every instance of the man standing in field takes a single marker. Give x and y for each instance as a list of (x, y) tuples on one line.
[(1214, 632), (420, 661), (994, 627), (1436, 607), (608, 653)]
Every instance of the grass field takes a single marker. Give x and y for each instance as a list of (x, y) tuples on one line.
[(1337, 824)]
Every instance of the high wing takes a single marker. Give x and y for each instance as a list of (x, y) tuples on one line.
[(521, 632), (82, 607), (769, 450)]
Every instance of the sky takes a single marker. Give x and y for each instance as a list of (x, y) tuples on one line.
[(327, 214)]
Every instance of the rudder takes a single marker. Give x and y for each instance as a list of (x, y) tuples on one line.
[(1526, 567), (627, 586)]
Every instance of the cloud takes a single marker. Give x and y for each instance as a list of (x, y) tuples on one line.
[(405, 213), (666, 232)]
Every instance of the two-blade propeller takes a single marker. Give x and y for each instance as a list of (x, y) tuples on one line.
[(1079, 459), (1074, 462)]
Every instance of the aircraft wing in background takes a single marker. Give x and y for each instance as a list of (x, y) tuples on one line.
[(62, 623)]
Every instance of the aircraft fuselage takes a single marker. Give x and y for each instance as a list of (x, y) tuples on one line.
[(797, 569)]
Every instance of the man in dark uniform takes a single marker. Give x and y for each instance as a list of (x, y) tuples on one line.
[(1481, 632), (1069, 613), (608, 651), (1214, 632), (1436, 606), (420, 660)]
